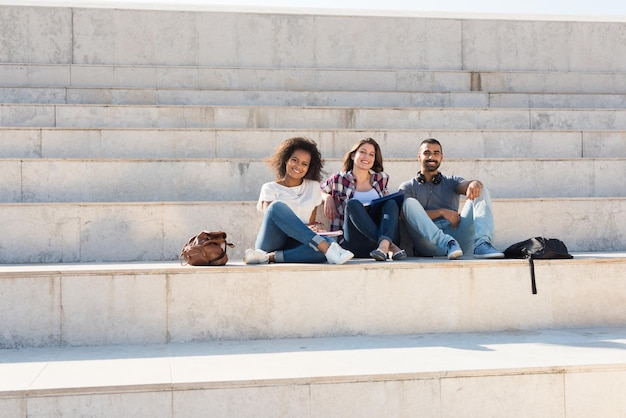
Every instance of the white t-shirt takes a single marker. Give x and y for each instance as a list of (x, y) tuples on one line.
[(301, 199), (365, 197)]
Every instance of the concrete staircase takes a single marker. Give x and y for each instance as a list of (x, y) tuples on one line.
[(124, 132)]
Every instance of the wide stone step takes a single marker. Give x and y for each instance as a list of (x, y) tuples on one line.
[(261, 78), (307, 79), (157, 303), (193, 37), (256, 97), (255, 117), (84, 232), (260, 143), (124, 180), (565, 372)]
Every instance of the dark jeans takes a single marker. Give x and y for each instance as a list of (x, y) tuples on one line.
[(362, 234)]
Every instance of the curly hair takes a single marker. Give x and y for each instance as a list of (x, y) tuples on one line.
[(348, 162), (278, 161)]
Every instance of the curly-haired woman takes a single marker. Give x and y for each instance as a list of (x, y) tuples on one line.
[(287, 233)]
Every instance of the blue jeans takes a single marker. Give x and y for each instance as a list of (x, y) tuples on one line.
[(362, 234), (430, 238), (284, 234)]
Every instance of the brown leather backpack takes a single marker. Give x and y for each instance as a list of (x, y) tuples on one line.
[(206, 249)]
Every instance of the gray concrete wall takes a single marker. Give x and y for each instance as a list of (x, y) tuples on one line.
[(201, 38)]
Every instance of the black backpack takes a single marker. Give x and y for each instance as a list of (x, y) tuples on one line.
[(537, 248)]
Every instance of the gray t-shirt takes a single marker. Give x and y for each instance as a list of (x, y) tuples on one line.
[(434, 196)]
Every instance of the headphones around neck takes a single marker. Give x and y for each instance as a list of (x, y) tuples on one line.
[(421, 179)]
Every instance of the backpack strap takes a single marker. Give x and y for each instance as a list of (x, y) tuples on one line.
[(532, 275), (529, 255)]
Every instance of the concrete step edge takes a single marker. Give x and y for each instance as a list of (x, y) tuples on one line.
[(106, 269), (414, 99), (40, 372), (82, 75)]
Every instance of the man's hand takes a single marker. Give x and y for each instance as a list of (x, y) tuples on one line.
[(452, 216), (474, 189)]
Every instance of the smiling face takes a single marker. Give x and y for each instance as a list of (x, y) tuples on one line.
[(430, 157), (297, 166), (364, 157)]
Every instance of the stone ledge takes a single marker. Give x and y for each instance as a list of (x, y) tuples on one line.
[(443, 373), (156, 231), (151, 303), (314, 360), (175, 267), (259, 143)]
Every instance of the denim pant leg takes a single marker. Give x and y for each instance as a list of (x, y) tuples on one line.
[(483, 218), (301, 253), (375, 230), (464, 231), (476, 224), (278, 226), (428, 239), (388, 228), (360, 232)]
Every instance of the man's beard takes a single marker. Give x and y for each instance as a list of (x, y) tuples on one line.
[(426, 168)]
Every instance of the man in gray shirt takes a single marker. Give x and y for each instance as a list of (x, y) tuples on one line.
[(430, 210)]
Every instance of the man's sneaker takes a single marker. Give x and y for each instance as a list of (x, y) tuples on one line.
[(337, 255), (486, 250), (454, 250), (256, 257)]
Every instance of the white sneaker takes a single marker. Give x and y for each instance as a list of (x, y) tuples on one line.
[(337, 255), (256, 257)]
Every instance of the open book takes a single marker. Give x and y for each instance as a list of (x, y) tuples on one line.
[(330, 233), (315, 225), (376, 206)]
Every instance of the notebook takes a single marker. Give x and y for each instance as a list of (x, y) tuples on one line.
[(376, 206), (330, 233)]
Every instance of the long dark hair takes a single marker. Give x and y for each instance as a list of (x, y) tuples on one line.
[(348, 162), (278, 161)]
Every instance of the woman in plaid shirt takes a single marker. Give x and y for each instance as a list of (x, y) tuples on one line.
[(347, 196)]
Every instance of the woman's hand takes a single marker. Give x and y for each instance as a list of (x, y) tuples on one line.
[(316, 227), (330, 209)]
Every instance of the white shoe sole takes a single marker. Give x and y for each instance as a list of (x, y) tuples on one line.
[(455, 254), (492, 255)]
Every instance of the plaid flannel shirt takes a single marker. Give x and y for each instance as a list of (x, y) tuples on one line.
[(342, 186)]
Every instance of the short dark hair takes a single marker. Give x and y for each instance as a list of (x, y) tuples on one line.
[(278, 161), (348, 163), (431, 141)]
